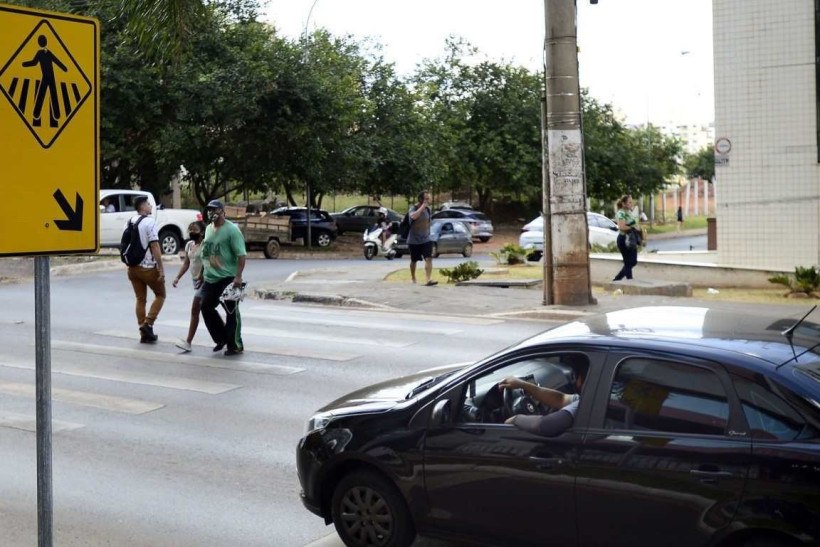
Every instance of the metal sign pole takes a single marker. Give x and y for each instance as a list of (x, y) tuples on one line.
[(42, 315)]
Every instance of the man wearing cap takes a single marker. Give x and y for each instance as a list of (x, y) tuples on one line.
[(149, 273), (223, 258)]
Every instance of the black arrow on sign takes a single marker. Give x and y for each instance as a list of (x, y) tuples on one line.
[(75, 216)]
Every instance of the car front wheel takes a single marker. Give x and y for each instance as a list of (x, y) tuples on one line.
[(169, 242), (368, 511), (468, 250), (323, 239), (484, 239)]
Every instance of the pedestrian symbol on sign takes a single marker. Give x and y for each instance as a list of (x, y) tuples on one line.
[(46, 60), (44, 84)]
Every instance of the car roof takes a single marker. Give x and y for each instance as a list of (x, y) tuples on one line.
[(752, 333)]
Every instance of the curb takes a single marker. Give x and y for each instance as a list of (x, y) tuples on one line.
[(322, 299), (545, 315)]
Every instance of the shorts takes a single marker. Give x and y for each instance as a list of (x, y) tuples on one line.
[(198, 292), (420, 250)]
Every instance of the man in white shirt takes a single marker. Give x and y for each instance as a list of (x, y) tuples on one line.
[(149, 273)]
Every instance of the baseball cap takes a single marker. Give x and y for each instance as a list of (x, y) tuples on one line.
[(214, 204)]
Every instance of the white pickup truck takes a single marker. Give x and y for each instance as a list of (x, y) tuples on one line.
[(172, 224)]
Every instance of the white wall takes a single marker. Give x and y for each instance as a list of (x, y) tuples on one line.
[(768, 195)]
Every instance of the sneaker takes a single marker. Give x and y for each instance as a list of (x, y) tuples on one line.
[(219, 347), (232, 351), (183, 345)]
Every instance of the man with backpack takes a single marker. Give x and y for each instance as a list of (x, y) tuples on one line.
[(140, 252)]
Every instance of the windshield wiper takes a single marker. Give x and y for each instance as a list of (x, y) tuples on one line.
[(426, 384)]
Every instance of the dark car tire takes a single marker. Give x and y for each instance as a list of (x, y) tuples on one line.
[(358, 498), (467, 252), (369, 252), (272, 249), (434, 251), (398, 255), (169, 242), (484, 239), (323, 239)]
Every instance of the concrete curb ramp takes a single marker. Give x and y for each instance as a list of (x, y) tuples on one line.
[(649, 287), (323, 299)]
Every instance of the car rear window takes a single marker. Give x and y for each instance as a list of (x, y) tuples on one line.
[(479, 216)]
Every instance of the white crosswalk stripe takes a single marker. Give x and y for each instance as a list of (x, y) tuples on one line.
[(425, 318), (177, 358), (378, 323), (29, 423), (83, 398), (306, 335), (133, 377), (284, 352)]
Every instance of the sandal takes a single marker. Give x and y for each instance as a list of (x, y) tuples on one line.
[(431, 283)]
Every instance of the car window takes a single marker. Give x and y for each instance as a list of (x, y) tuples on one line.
[(483, 400), (479, 216), (364, 212), (657, 395), (592, 220), (769, 416), (459, 228), (128, 200), (447, 227)]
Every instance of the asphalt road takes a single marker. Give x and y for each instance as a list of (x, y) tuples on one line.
[(154, 447)]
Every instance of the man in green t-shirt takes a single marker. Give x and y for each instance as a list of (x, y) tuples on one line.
[(223, 260)]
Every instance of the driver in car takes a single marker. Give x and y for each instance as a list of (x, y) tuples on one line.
[(555, 423)]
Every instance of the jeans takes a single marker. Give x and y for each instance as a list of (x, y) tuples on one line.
[(141, 279), (227, 332), (630, 257)]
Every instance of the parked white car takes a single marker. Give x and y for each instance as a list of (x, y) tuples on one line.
[(117, 207), (602, 231)]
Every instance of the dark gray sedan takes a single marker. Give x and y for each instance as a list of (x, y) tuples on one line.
[(361, 217), (449, 236)]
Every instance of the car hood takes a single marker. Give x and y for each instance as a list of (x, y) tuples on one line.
[(385, 395)]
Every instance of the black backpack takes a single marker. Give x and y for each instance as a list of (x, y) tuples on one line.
[(404, 227), (131, 250)]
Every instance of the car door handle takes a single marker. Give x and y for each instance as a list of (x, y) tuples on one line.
[(546, 464), (711, 474)]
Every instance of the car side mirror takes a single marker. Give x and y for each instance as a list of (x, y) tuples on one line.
[(441, 413)]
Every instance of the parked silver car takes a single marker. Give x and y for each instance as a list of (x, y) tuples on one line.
[(448, 236), (481, 227)]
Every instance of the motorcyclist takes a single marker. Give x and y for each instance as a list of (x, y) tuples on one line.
[(384, 223)]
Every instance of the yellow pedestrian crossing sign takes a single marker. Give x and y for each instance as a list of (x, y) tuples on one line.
[(44, 83), (49, 131)]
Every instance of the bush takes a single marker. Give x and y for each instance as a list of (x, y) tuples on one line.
[(463, 272), (510, 254), (610, 248), (805, 280)]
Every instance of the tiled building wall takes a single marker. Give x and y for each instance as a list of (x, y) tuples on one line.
[(768, 195)]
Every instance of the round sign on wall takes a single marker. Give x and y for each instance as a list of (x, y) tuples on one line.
[(723, 145)]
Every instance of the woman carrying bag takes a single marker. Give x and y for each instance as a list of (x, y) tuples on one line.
[(629, 238)]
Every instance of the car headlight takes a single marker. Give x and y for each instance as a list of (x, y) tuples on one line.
[(318, 421)]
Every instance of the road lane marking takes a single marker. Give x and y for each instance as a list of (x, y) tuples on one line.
[(421, 316), (307, 335), (284, 352), (84, 398), (129, 377), (216, 361), (29, 423), (274, 315)]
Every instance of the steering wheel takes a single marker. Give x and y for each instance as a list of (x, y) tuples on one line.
[(507, 407)]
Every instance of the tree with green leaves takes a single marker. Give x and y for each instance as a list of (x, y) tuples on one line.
[(700, 164)]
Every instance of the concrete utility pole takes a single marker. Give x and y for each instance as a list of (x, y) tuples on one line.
[(566, 217)]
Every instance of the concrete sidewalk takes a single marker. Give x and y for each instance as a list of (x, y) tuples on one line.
[(364, 285)]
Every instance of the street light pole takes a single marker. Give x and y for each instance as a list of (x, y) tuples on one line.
[(566, 217), (304, 60)]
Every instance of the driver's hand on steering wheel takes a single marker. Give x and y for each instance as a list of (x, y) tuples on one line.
[(511, 383)]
